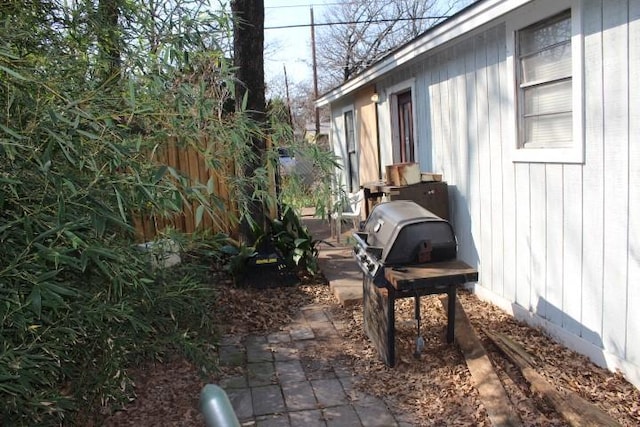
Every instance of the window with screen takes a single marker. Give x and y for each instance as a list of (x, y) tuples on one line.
[(350, 138), (545, 97)]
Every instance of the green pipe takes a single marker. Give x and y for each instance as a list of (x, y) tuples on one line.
[(216, 407)]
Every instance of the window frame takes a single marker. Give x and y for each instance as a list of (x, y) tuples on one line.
[(524, 18), (351, 150), (392, 97)]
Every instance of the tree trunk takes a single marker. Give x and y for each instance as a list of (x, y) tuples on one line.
[(109, 42), (248, 46)]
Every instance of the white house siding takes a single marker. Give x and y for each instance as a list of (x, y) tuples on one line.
[(633, 304), (556, 244)]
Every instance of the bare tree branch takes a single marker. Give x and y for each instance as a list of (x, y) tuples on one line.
[(372, 29)]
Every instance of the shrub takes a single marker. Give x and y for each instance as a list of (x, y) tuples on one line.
[(79, 302)]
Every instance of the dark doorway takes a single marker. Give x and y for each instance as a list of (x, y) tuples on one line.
[(405, 127)]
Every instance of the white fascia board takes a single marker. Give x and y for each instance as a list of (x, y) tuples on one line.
[(463, 23)]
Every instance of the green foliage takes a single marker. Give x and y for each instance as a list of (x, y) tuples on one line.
[(238, 254), (80, 303), (288, 235), (311, 182), (294, 241)]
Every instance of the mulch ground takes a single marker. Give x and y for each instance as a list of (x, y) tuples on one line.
[(434, 389)]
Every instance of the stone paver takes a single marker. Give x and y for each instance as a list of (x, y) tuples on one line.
[(267, 400), (279, 337), (285, 352), (325, 331), (315, 315), (318, 369), (302, 333), (299, 396), (238, 381), (341, 416), (281, 420), (374, 413), (290, 372), (231, 355), (241, 402), (329, 393), (258, 350), (281, 388), (262, 373), (311, 418), (342, 371)]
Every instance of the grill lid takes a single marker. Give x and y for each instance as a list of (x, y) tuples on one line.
[(406, 233)]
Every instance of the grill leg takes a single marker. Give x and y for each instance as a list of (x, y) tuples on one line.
[(419, 339), (451, 313)]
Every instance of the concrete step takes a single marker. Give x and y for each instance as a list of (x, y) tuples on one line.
[(343, 274), (336, 261)]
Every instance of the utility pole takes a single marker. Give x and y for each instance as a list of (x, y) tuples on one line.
[(315, 73)]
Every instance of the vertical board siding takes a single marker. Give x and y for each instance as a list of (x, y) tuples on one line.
[(448, 103), (508, 171), (593, 177), (572, 248), (616, 167), (454, 70), (495, 160), (436, 119), (473, 174), (538, 285), (482, 111), (554, 243), (461, 163), (633, 304), (423, 111), (523, 235)]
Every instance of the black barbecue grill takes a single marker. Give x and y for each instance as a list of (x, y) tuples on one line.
[(404, 251)]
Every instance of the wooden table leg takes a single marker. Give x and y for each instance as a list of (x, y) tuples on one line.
[(451, 313), (391, 332), (367, 196)]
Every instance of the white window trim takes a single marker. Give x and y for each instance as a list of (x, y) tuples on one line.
[(391, 94), (522, 18), (345, 160)]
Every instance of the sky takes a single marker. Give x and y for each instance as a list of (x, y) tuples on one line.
[(290, 47)]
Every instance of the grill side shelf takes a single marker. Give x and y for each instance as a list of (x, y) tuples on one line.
[(430, 275)]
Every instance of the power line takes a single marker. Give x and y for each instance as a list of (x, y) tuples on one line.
[(376, 21), (289, 6)]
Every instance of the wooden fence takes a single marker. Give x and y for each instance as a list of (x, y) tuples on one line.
[(190, 163)]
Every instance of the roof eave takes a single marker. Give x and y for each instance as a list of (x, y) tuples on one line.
[(462, 23)]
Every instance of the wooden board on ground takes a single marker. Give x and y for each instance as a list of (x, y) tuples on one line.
[(492, 393), (574, 409)]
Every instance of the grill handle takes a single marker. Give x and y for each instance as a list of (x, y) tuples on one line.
[(361, 241)]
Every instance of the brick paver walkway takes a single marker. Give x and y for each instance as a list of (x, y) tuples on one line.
[(281, 388)]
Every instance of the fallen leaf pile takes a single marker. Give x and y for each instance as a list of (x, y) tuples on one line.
[(434, 389)]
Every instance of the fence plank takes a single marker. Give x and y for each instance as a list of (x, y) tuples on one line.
[(190, 163)]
